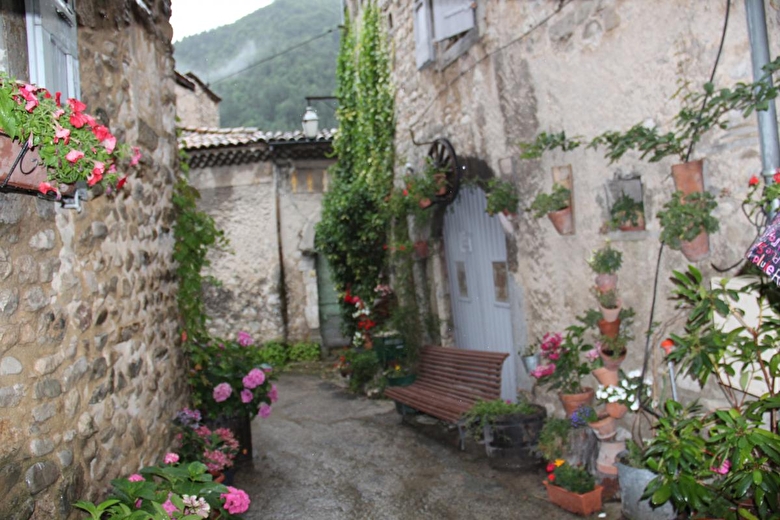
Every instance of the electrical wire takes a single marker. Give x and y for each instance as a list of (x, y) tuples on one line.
[(274, 56)]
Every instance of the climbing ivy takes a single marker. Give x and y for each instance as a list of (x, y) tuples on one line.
[(355, 215), (195, 232)]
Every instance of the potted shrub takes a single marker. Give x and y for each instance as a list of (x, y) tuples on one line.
[(216, 449), (627, 214), (613, 350), (510, 430), (606, 262), (399, 375), (610, 304), (633, 477), (557, 207), (686, 223), (554, 438), (572, 488)]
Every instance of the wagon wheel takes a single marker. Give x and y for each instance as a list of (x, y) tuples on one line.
[(442, 157)]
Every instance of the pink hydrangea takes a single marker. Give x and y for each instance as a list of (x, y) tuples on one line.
[(135, 477), (264, 410), (273, 394), (171, 458), (246, 396), (203, 431), (543, 370), (216, 460), (236, 500), (244, 339), (169, 507), (254, 378), (222, 391)]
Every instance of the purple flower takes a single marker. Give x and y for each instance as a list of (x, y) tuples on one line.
[(244, 339), (222, 391), (254, 378), (246, 396), (264, 410)]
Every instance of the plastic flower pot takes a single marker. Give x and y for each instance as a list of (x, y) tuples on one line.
[(573, 401), (584, 504)]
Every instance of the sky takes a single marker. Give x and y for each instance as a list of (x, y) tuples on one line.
[(190, 17)]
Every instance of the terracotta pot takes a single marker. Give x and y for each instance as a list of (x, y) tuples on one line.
[(217, 476), (441, 184), (28, 172), (606, 282), (421, 249), (606, 376), (424, 203), (696, 249), (611, 315), (611, 362), (604, 428), (609, 329), (629, 226), (616, 410), (573, 401), (608, 451), (584, 504), (689, 177), (563, 220)]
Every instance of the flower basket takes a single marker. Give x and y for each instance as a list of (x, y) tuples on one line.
[(584, 504), (573, 401), (22, 168)]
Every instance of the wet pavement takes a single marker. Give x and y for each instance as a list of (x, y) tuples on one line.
[(327, 454)]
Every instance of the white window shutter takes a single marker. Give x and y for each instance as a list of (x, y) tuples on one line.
[(53, 46), (452, 17), (423, 44)]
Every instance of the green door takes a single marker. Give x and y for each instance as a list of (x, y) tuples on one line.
[(330, 310)]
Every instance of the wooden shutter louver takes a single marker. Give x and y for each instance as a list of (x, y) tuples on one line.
[(452, 17), (423, 43)]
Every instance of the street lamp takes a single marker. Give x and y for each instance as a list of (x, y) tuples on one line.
[(310, 123)]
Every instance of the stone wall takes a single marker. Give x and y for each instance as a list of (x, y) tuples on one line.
[(195, 108), (586, 67), (90, 372)]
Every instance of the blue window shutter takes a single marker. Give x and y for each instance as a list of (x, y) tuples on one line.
[(53, 46), (452, 17), (423, 43)]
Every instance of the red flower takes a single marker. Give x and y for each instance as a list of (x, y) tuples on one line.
[(551, 467), (667, 345), (78, 119), (551, 476), (121, 182), (45, 188), (76, 105), (776, 177), (101, 132), (753, 181), (405, 192), (57, 97)]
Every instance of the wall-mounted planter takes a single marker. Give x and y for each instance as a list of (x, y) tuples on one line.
[(563, 221), (689, 177), (22, 170), (696, 249)]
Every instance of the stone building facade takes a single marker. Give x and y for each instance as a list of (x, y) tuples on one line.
[(196, 104), (264, 190), (90, 369), (518, 68)]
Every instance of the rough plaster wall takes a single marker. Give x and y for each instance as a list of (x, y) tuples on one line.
[(90, 372), (196, 109), (595, 65), (241, 200)]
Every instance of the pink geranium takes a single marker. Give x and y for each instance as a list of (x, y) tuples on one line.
[(236, 500), (264, 410), (73, 156), (543, 370), (222, 391), (254, 378), (246, 396)]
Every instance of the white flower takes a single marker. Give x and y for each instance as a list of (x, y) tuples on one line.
[(634, 374)]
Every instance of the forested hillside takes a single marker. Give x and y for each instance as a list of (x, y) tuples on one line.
[(270, 95)]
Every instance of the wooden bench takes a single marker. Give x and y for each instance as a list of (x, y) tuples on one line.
[(449, 381)]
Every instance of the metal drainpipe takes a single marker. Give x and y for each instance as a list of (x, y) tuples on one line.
[(767, 119)]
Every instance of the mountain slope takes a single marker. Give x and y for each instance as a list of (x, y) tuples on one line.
[(270, 95)]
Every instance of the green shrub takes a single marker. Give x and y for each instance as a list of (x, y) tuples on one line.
[(305, 351), (274, 353), (364, 367)]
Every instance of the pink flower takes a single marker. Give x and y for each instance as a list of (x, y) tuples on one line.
[(554, 356), (723, 468), (76, 105), (58, 113), (45, 188), (246, 396), (61, 133), (101, 132), (74, 155), (171, 458), (109, 144), (254, 378), (216, 460), (264, 410), (58, 98), (244, 339), (28, 93), (121, 182), (78, 120), (136, 156), (97, 173), (592, 354), (273, 394), (543, 370), (202, 431), (236, 500), (135, 477), (169, 507), (222, 391)]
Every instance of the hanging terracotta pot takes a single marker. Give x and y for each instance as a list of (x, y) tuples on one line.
[(563, 220), (689, 177), (584, 504), (610, 315), (606, 282), (606, 376), (573, 401), (609, 329), (611, 362), (616, 410), (604, 428), (696, 249)]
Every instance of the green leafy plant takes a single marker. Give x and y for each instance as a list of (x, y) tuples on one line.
[(487, 412), (548, 141), (554, 438), (606, 260), (365, 367), (608, 299), (304, 351), (545, 203), (562, 367), (572, 478), (274, 353), (616, 347), (502, 197), (684, 217), (625, 211)]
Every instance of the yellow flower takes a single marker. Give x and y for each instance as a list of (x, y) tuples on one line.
[(559, 463)]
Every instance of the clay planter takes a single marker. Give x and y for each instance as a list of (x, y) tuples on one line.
[(606, 376), (584, 504), (609, 329), (610, 315), (608, 452), (604, 428), (611, 362), (606, 282), (616, 410), (563, 220), (696, 249), (628, 226), (28, 172), (424, 203), (573, 401), (689, 177)]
